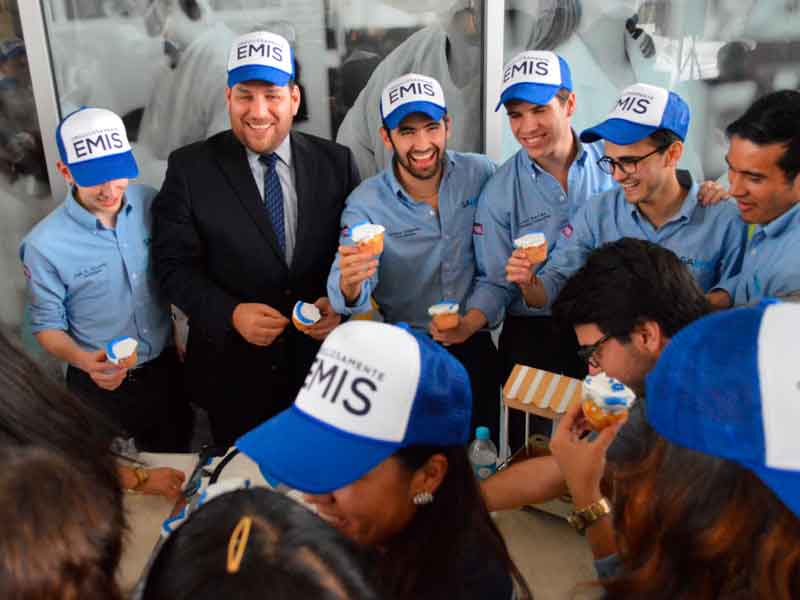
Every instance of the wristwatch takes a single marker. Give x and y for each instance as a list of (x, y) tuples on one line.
[(141, 478), (582, 518)]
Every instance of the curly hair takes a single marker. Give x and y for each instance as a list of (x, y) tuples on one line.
[(696, 526)]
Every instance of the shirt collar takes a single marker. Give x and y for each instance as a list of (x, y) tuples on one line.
[(778, 226), (284, 152), (397, 188), (83, 217), (580, 156), (689, 203)]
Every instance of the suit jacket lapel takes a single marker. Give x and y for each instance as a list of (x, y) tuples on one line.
[(304, 174), (232, 158)]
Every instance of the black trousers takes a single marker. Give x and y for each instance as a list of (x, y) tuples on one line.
[(537, 342), (482, 362), (150, 405)]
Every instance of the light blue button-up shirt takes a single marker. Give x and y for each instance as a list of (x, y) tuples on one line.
[(771, 265), (522, 198), (96, 283), (427, 255), (709, 240)]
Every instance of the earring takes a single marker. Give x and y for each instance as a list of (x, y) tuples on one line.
[(421, 498)]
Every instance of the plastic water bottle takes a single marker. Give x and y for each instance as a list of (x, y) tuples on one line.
[(483, 454)]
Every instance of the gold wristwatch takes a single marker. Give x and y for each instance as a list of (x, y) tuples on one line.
[(141, 478), (582, 518)]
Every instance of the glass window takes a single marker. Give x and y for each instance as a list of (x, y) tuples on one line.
[(24, 189), (719, 55), (161, 65)]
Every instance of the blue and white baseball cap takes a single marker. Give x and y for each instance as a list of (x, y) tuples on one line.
[(93, 143), (372, 389), (535, 77), (728, 385), (261, 56), (10, 48), (641, 110), (410, 94)]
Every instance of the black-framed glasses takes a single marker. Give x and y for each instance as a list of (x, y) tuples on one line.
[(587, 353), (627, 164)]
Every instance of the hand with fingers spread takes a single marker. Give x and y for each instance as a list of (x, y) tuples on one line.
[(103, 372), (355, 267), (259, 324), (580, 456), (330, 319)]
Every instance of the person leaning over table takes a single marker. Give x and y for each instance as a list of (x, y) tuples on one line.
[(245, 225), (711, 509), (382, 457)]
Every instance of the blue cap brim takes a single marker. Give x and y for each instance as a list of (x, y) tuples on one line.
[(99, 170), (308, 455), (434, 111), (258, 73), (534, 93), (617, 131)]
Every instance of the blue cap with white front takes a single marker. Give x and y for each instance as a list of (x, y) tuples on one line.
[(640, 111), (260, 56), (93, 143), (728, 385), (410, 94), (11, 48), (535, 77), (372, 389)]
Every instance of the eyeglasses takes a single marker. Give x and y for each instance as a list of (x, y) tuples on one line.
[(627, 164), (587, 353)]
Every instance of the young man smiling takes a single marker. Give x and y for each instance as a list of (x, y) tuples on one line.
[(245, 225), (89, 272), (654, 201), (764, 174), (426, 201)]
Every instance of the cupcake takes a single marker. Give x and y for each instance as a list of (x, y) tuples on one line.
[(304, 315), (605, 400), (122, 352), (368, 237), (445, 315), (535, 246)]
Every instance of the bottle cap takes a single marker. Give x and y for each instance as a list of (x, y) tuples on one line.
[(482, 433)]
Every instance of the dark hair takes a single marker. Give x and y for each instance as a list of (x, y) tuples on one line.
[(58, 541), (691, 525), (627, 282), (773, 119), (664, 138), (290, 554), (423, 560)]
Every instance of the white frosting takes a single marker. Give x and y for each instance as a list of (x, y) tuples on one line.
[(366, 231), (608, 393), (120, 349), (306, 313), (443, 308), (529, 240)]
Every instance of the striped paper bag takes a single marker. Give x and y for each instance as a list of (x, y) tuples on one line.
[(540, 392)]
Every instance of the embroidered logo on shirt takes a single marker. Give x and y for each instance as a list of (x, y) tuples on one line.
[(567, 230), (697, 263), (89, 271), (533, 220), (405, 233), (477, 229), (469, 202)]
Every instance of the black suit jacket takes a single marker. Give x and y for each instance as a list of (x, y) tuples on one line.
[(214, 247)]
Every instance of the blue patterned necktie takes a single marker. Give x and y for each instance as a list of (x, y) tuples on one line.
[(273, 198)]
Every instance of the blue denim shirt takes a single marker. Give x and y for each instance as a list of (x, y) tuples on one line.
[(771, 265), (709, 240), (96, 283), (427, 255), (522, 198)]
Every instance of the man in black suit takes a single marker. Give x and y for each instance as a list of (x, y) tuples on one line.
[(245, 225)]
